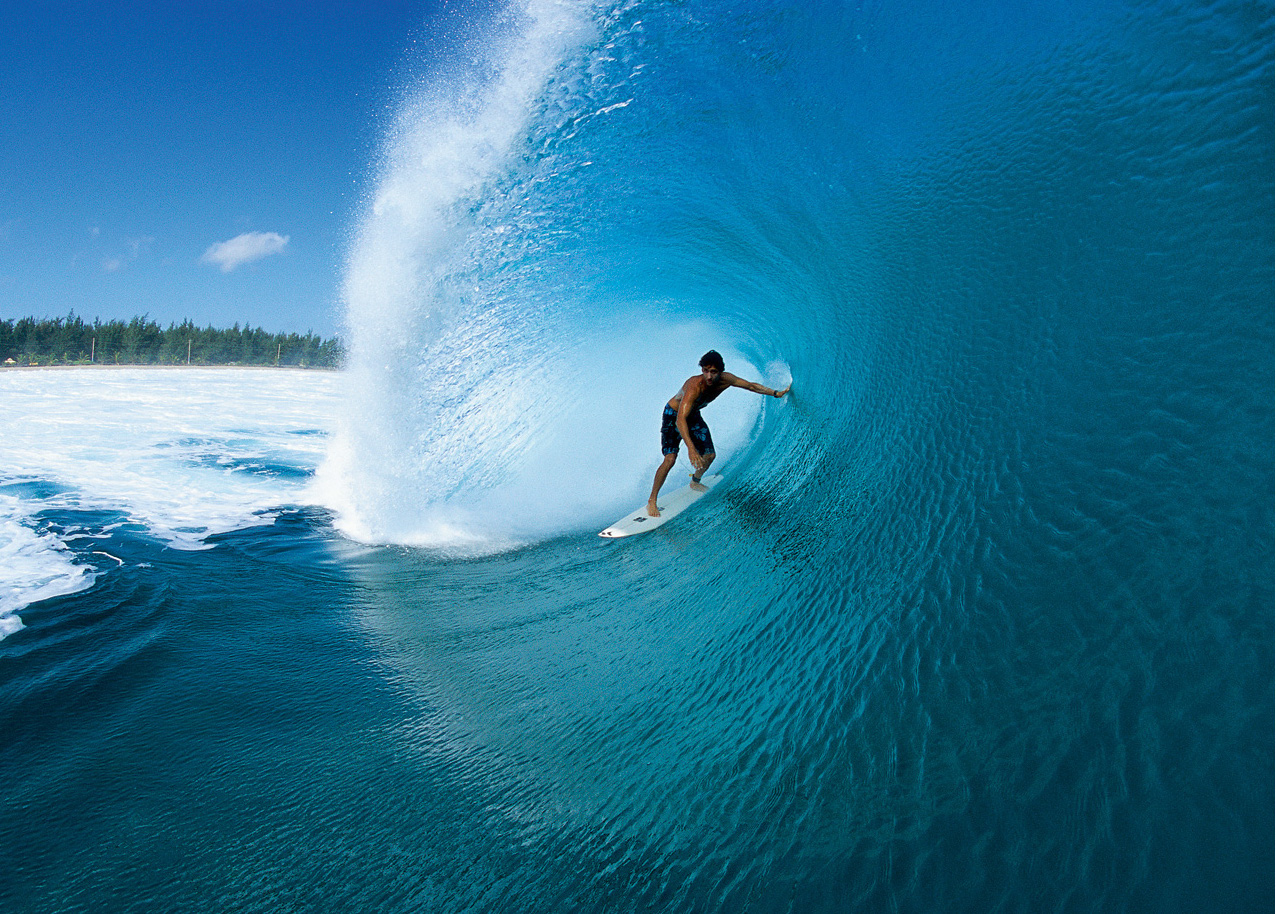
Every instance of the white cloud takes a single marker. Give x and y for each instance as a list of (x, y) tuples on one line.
[(244, 249)]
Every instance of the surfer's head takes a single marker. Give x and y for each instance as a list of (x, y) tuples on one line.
[(711, 359)]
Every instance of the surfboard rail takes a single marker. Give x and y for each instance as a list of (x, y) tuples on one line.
[(670, 505)]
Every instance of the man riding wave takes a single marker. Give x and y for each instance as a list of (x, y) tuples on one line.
[(682, 420)]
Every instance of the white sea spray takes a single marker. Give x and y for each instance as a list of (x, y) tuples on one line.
[(184, 453)]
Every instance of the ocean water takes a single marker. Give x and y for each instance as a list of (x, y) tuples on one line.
[(980, 619)]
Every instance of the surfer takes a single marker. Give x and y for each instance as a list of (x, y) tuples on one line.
[(683, 422)]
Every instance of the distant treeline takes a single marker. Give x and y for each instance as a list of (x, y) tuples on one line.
[(72, 341)]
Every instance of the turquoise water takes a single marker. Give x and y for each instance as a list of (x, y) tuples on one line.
[(981, 617)]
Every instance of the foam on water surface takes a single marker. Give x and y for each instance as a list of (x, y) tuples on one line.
[(185, 453), (37, 566)]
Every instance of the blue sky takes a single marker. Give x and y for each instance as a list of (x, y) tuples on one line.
[(202, 160)]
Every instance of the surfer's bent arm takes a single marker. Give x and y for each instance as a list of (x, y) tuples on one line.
[(750, 385), (690, 392)]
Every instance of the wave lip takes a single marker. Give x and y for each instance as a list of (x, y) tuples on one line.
[(457, 383), (494, 396)]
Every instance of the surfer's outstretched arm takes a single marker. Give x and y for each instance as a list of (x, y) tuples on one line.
[(754, 386)]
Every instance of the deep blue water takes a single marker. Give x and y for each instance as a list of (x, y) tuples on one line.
[(980, 620)]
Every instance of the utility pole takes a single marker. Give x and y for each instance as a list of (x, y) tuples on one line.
[(279, 347), (93, 351), (188, 352)]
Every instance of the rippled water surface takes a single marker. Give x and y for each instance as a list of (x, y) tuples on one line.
[(980, 618)]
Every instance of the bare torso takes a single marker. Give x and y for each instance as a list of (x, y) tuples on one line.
[(700, 391)]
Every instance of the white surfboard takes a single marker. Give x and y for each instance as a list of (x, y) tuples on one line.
[(670, 506)]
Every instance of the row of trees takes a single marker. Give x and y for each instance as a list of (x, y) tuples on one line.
[(71, 340)]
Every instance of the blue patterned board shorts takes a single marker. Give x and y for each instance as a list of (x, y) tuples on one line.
[(671, 440)]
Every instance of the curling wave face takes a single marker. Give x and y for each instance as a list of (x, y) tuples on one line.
[(1020, 279), (498, 393)]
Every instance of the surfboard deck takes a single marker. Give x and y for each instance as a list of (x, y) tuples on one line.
[(670, 506)]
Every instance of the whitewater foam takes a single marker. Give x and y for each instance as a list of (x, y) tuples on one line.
[(187, 454), (557, 445), (37, 566)]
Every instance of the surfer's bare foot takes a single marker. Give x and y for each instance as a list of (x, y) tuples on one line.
[(652, 510), (698, 486)]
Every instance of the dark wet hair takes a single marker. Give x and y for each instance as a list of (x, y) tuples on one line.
[(711, 359)]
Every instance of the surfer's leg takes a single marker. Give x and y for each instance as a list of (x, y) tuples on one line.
[(662, 473), (705, 460), (670, 441)]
